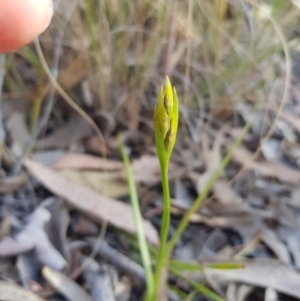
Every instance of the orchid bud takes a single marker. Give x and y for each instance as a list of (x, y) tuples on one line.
[(166, 120)]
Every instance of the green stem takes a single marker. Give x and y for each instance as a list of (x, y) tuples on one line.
[(199, 287), (164, 228), (144, 251)]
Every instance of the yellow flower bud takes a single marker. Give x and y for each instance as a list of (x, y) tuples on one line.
[(166, 120), (163, 118), (168, 97)]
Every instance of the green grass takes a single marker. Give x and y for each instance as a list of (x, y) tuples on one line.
[(142, 242)]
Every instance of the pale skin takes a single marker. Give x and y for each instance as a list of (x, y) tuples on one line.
[(21, 21)]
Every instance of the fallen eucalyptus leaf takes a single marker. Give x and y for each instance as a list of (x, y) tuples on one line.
[(12, 292), (99, 279), (65, 285), (90, 202), (33, 236), (84, 161), (107, 183), (261, 273)]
